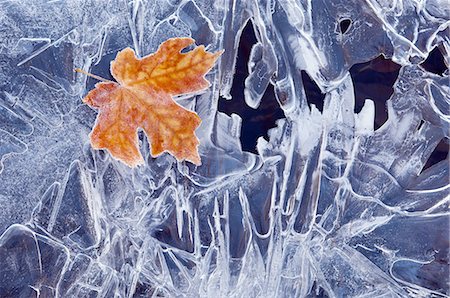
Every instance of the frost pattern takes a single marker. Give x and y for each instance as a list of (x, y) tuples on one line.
[(328, 208)]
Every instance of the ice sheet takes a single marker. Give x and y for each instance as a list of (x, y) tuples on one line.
[(328, 207)]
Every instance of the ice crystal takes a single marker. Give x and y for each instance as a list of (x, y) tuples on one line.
[(333, 202)]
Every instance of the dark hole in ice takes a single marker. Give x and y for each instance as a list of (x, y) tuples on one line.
[(439, 154), (344, 25), (312, 91), (435, 62), (374, 80), (255, 122), (420, 125)]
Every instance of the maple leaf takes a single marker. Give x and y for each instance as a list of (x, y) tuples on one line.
[(142, 98)]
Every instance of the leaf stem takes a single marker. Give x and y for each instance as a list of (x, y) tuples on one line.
[(92, 75)]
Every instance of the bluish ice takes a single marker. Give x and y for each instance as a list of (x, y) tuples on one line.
[(327, 205)]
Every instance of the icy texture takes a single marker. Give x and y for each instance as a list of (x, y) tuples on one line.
[(328, 208)]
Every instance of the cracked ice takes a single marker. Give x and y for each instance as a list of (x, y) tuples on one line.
[(329, 206)]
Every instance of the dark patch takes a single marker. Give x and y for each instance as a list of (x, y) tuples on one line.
[(344, 25), (101, 69), (317, 291), (167, 233), (255, 122), (143, 290), (439, 154), (312, 91), (420, 125), (435, 62), (374, 80)]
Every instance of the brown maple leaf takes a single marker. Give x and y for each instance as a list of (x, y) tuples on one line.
[(142, 98)]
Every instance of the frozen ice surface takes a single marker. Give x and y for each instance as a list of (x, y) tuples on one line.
[(330, 206)]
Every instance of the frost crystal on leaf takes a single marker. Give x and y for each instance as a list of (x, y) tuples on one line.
[(346, 195), (142, 98)]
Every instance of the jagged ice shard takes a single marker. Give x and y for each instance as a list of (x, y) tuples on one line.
[(328, 205)]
